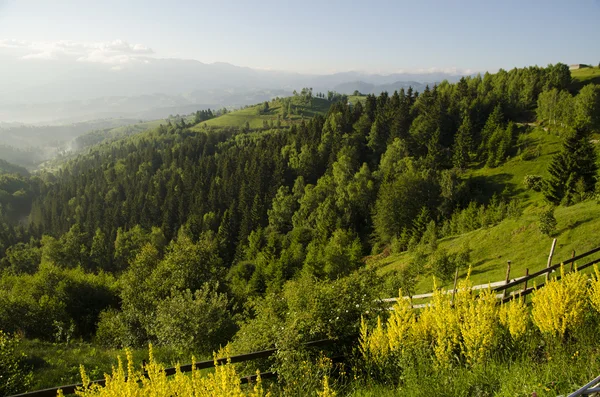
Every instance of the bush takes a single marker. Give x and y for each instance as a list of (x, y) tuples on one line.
[(547, 222), (560, 306), (224, 381), (404, 279), (442, 264), (309, 308), (533, 182), (55, 298), (112, 329), (198, 321), (14, 377)]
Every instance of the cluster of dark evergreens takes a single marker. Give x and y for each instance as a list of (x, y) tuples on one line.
[(137, 237)]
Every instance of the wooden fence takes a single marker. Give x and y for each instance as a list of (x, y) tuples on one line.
[(70, 389), (501, 288)]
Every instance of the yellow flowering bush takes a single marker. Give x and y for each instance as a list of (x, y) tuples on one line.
[(423, 329), (327, 391), (478, 327), (375, 345), (594, 291), (514, 316), (560, 305), (446, 328), (224, 381), (463, 327), (400, 325)]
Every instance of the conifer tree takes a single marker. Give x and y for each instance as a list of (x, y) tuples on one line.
[(463, 144), (573, 170)]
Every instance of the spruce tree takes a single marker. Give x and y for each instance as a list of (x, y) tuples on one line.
[(573, 170), (463, 144)]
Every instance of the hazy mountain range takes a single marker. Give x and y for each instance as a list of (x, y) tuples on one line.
[(39, 91)]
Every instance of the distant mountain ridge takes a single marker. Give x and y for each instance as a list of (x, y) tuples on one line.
[(59, 91)]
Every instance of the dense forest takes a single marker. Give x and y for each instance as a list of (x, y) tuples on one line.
[(236, 228)]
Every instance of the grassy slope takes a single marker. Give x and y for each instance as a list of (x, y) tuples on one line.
[(518, 240), (239, 118), (585, 76), (353, 99), (134, 128)]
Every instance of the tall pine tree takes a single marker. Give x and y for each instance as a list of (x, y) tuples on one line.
[(573, 170)]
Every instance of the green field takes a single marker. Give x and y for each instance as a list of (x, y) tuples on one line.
[(585, 76), (239, 118), (518, 240), (353, 99)]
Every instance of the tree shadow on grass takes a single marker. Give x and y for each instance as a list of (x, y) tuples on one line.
[(572, 226), (485, 187), (477, 268)]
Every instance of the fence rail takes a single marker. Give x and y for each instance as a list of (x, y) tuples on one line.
[(498, 286), (501, 287), (70, 389)]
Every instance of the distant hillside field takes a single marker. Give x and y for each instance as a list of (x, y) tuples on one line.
[(585, 76), (301, 110)]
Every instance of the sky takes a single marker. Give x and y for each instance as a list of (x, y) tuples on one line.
[(320, 37)]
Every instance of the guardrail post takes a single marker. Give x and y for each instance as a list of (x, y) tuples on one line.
[(507, 278), (572, 261)]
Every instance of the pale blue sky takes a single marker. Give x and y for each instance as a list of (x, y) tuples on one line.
[(317, 36)]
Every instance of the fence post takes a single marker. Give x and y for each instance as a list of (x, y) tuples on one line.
[(525, 283), (507, 278), (572, 261), (455, 281), (550, 258)]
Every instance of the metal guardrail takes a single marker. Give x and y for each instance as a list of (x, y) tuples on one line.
[(589, 388)]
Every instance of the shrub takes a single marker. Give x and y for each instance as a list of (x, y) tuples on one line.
[(404, 279), (401, 325), (14, 377), (200, 321), (533, 182), (547, 221), (594, 291), (442, 264), (514, 316), (112, 329), (310, 308), (478, 328), (559, 306), (223, 382)]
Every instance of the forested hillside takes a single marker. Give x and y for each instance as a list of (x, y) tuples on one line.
[(234, 226)]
